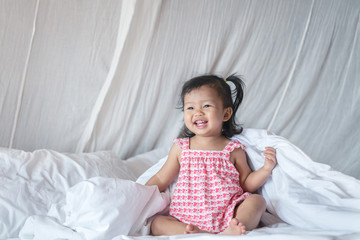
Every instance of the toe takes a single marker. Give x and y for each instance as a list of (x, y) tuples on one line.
[(235, 221)]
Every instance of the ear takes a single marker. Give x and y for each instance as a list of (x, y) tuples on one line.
[(227, 114)]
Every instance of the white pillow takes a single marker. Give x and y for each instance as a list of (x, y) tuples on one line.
[(142, 162), (151, 171)]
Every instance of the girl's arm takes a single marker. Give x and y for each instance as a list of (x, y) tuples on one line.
[(169, 170), (251, 181)]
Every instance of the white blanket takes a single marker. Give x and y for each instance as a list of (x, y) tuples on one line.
[(302, 192), (310, 198), (98, 208), (30, 182)]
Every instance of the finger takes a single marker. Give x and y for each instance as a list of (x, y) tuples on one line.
[(270, 149), (269, 154)]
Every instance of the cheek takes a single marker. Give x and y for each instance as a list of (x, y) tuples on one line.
[(218, 116), (187, 118)]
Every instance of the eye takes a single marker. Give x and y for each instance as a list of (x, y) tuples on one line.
[(207, 106), (189, 108)]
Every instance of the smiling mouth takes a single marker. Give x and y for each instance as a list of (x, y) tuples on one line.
[(200, 123)]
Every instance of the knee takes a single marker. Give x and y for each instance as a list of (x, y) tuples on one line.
[(258, 201), (155, 225), (158, 224)]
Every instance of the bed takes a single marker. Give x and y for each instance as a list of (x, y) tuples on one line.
[(50, 195), (88, 104)]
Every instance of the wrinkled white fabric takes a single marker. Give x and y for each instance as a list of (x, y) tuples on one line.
[(98, 208), (105, 75), (30, 182), (301, 192)]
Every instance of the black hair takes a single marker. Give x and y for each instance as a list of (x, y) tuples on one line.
[(230, 127)]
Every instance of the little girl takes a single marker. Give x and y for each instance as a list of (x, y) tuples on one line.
[(213, 191)]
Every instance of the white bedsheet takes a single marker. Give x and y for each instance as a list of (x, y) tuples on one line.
[(93, 196)]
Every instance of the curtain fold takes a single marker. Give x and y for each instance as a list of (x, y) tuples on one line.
[(106, 74)]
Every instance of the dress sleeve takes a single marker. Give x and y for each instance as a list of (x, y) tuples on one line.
[(234, 144), (183, 143)]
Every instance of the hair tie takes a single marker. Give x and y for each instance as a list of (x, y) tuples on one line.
[(225, 80)]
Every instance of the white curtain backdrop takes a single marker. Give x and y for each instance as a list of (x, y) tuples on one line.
[(82, 76)]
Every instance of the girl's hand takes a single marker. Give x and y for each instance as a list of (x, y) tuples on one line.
[(270, 158)]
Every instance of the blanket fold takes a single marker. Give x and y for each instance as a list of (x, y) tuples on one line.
[(98, 208), (301, 192)]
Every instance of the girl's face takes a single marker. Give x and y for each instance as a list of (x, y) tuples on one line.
[(204, 112)]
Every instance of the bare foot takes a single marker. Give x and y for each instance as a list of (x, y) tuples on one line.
[(235, 228), (193, 229)]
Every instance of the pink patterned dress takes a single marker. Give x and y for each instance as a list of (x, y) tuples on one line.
[(208, 187)]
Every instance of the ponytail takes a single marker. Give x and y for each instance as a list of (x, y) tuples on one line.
[(235, 97)]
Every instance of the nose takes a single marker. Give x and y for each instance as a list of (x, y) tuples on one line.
[(199, 112)]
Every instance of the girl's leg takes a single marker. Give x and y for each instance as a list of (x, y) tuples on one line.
[(249, 212), (168, 225), (247, 215)]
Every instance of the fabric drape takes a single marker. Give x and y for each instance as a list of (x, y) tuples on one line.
[(83, 76)]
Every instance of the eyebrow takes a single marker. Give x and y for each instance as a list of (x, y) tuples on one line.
[(207, 100)]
